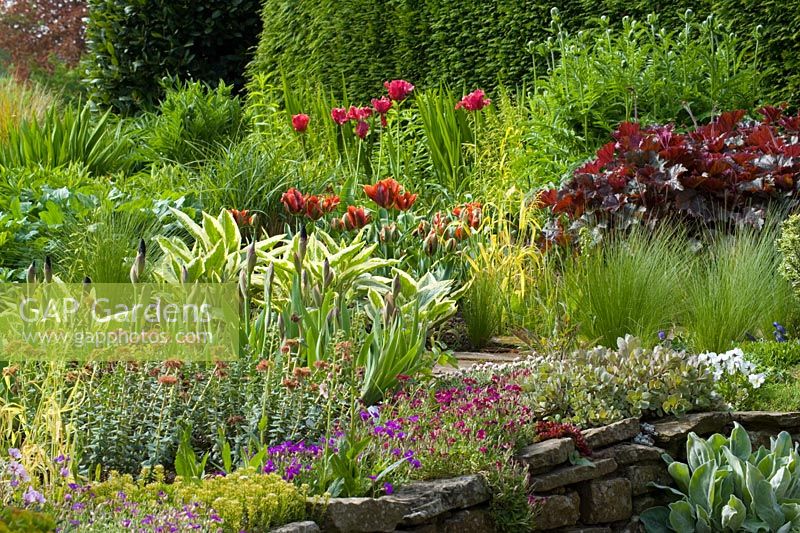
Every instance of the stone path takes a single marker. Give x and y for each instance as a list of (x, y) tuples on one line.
[(500, 350)]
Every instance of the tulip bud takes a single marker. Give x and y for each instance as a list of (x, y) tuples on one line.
[(389, 308), (327, 274), (31, 274), (316, 295), (48, 270), (338, 224), (396, 286), (450, 245), (141, 255), (184, 274), (243, 283), (303, 242), (281, 326), (87, 284), (304, 281), (423, 228), (137, 268), (269, 277), (332, 314), (251, 257), (388, 233), (431, 243)]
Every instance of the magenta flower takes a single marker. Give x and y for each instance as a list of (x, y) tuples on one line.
[(339, 115), (474, 101), (300, 122), (362, 128), (382, 106), (398, 89)]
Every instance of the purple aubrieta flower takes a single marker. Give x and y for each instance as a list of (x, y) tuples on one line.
[(269, 467), (64, 471), (14, 453), (32, 496), (662, 335), (388, 488), (18, 471)]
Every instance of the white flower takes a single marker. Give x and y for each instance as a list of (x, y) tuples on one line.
[(756, 380)]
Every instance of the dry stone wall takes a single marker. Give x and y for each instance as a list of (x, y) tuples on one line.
[(604, 497)]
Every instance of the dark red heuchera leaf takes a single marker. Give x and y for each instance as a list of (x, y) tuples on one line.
[(730, 165)]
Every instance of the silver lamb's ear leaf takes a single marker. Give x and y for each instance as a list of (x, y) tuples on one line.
[(740, 443), (733, 514), (680, 473), (682, 517)]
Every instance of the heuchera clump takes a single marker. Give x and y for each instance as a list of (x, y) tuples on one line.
[(722, 173)]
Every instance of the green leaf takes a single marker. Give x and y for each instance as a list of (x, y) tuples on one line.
[(680, 473), (733, 513), (701, 485), (655, 520), (740, 444), (682, 517)]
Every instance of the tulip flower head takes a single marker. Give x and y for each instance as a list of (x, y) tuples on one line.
[(300, 122), (316, 207), (382, 106), (362, 128), (339, 115), (384, 192), (294, 201), (355, 218), (404, 201), (398, 89), (359, 113), (242, 217), (474, 101)]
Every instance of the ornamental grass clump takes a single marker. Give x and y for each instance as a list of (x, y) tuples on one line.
[(628, 285)]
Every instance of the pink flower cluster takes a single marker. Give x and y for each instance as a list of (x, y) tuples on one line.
[(398, 91)]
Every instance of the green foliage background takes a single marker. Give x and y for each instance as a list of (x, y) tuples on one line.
[(133, 44), (353, 45)]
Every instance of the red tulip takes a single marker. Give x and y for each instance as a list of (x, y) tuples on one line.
[(339, 115), (317, 206), (329, 203), (384, 192), (381, 105), (398, 89), (404, 201), (294, 201), (300, 122), (438, 223), (474, 101), (242, 217), (362, 128), (313, 207), (359, 113), (469, 213), (355, 218)]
